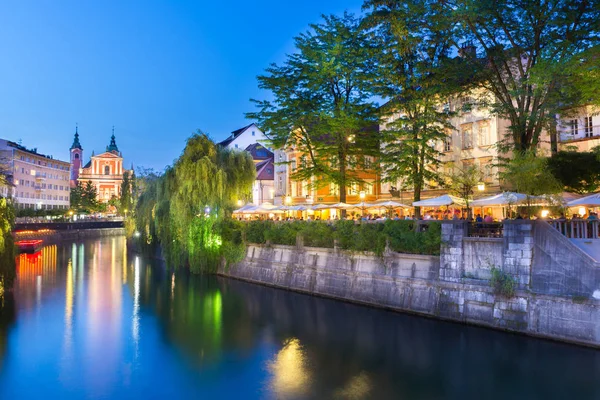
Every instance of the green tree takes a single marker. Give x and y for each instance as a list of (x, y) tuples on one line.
[(533, 57), (577, 171), (7, 248), (322, 104), (528, 173), (463, 181), (77, 197), (412, 64)]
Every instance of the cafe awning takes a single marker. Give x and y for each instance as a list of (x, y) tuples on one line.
[(445, 200), (592, 200)]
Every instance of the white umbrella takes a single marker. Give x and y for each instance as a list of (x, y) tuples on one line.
[(245, 209), (445, 200), (342, 206), (501, 199), (389, 204), (592, 200)]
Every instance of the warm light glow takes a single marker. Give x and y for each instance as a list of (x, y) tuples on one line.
[(288, 200), (240, 203), (545, 213), (362, 195), (582, 211), (481, 186), (351, 138), (290, 373)]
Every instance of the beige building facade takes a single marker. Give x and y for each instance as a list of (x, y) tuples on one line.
[(39, 181)]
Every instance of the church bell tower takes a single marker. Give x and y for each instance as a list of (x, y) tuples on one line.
[(76, 158)]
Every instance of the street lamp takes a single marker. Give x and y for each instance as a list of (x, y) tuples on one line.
[(288, 200), (240, 203), (481, 186)]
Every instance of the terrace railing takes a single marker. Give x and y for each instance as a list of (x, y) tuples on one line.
[(577, 228)]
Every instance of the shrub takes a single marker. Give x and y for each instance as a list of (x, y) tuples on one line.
[(401, 235), (503, 283), (318, 234), (255, 231)]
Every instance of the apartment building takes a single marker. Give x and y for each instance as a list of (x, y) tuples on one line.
[(580, 129), (39, 181)]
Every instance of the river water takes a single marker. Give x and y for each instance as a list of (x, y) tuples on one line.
[(89, 320)]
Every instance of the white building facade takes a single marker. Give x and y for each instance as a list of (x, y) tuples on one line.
[(39, 181)]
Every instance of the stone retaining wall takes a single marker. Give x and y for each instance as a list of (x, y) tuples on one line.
[(75, 234), (453, 286)]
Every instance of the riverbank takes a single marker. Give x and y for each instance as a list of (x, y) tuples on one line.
[(454, 286), (55, 236)]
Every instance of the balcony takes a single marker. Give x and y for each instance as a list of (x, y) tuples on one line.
[(40, 176), (38, 188), (567, 134)]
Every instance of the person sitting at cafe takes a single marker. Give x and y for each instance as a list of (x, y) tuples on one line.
[(488, 219)]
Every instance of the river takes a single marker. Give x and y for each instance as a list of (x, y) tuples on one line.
[(90, 320)]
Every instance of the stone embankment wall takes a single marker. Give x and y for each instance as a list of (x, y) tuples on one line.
[(74, 234), (551, 301)]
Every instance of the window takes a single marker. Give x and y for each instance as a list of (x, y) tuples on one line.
[(448, 142), (334, 189), (352, 188), (484, 133), (588, 127), (106, 170), (486, 166), (469, 162), (252, 133), (369, 188), (77, 156), (574, 125), (467, 136), (236, 146), (280, 183)]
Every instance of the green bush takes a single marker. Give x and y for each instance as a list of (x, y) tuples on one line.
[(283, 233), (318, 234), (401, 235), (503, 283), (255, 231)]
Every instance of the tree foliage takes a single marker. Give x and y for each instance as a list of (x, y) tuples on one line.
[(321, 103), (183, 210), (534, 57), (7, 247), (84, 198), (416, 75), (529, 174), (462, 182), (578, 172)]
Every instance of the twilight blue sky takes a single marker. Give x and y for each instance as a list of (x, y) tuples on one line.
[(157, 70)]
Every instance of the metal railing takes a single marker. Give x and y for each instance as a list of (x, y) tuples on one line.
[(485, 229), (577, 228)]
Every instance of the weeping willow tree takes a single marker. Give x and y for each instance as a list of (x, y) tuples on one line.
[(7, 246), (185, 210)]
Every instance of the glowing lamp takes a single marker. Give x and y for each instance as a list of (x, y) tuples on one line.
[(362, 195), (288, 200), (481, 186), (582, 211), (240, 203), (545, 213)]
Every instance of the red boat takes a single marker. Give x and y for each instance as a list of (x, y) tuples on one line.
[(30, 246)]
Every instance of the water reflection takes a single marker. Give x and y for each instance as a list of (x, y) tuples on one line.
[(94, 321)]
